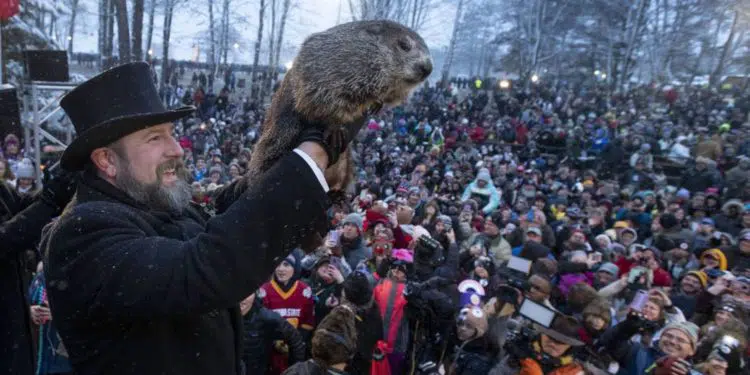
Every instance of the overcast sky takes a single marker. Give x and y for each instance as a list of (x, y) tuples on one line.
[(309, 16)]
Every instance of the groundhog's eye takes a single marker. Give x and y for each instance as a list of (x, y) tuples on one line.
[(404, 45)]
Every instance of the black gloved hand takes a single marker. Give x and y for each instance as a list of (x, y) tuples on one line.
[(336, 141), (59, 187)]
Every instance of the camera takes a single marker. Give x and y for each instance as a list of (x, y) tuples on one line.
[(515, 273), (429, 252), (520, 337)]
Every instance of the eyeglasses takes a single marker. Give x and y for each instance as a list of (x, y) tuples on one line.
[(675, 338)]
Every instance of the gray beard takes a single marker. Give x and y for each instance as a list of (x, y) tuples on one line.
[(174, 199)]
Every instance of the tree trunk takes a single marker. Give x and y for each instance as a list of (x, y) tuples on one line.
[(226, 33), (168, 9), (256, 55), (72, 28), (212, 36), (725, 55), (284, 14), (452, 46), (123, 31), (102, 31), (270, 70), (110, 31), (150, 35), (138, 30)]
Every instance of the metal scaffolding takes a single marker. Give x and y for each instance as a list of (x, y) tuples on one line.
[(33, 131)]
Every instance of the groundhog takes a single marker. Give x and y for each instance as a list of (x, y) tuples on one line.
[(340, 75)]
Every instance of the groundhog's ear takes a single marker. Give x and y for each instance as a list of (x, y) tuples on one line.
[(374, 29)]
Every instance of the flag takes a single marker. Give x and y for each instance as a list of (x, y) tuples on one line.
[(9, 8)]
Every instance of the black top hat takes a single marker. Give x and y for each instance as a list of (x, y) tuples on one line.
[(113, 104)]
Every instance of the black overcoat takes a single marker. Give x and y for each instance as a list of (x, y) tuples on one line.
[(23, 218), (135, 291)]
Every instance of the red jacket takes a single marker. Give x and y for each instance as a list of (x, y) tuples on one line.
[(661, 277)]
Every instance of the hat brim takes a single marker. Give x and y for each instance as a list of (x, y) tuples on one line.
[(558, 336), (78, 152)]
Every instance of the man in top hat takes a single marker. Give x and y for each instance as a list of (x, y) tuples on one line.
[(139, 282)]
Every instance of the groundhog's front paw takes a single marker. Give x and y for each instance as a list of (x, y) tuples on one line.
[(337, 175)]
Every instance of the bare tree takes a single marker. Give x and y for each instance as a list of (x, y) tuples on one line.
[(284, 14), (225, 32), (150, 35), (452, 46), (169, 6), (271, 69), (726, 51), (72, 26), (123, 31), (138, 6), (256, 52), (212, 37)]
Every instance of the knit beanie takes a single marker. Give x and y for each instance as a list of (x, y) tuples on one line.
[(700, 275), (446, 220), (688, 328), (609, 268), (25, 169), (353, 219), (357, 289), (718, 255)]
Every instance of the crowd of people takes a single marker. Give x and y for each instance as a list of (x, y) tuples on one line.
[(629, 213)]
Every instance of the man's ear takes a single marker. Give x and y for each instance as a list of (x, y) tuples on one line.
[(104, 160)]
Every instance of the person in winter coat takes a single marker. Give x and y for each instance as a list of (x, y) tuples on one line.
[(701, 177), (333, 345), (139, 281), (738, 177), (477, 352), (483, 190), (729, 220), (556, 344), (325, 281), (678, 341), (21, 221), (357, 293), (291, 298), (353, 245), (52, 358), (261, 327)]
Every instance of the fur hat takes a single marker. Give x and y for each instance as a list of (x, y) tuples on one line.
[(354, 219), (599, 307), (580, 295), (335, 339), (357, 289)]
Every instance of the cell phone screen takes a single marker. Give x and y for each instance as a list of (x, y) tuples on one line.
[(536, 312), (639, 300)]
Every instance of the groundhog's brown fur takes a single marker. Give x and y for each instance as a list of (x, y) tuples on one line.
[(337, 76)]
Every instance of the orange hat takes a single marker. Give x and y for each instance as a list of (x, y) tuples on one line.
[(622, 224), (718, 255)]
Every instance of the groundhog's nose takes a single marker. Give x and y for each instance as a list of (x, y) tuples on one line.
[(424, 68)]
